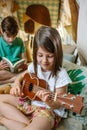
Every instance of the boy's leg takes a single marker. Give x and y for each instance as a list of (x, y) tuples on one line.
[(10, 80), (8, 77), (4, 75)]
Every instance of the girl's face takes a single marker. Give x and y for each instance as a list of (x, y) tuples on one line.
[(45, 59), (8, 39)]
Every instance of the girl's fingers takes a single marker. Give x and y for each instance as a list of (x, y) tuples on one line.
[(15, 91), (43, 95)]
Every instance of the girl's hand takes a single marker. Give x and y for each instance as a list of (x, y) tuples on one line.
[(46, 97), (16, 89), (3, 65), (43, 95)]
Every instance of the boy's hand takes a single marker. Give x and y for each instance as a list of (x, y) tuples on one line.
[(3, 65)]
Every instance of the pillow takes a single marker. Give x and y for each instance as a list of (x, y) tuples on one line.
[(69, 57), (78, 75)]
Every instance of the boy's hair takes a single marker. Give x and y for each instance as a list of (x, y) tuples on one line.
[(9, 26), (48, 38)]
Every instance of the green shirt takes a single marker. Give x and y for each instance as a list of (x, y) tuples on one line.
[(13, 51)]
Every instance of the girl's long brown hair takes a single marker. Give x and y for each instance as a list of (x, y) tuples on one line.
[(48, 38)]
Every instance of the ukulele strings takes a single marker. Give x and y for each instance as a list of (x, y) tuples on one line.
[(63, 103), (52, 95)]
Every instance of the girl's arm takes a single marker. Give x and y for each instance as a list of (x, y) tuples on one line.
[(61, 90), (16, 89), (53, 103)]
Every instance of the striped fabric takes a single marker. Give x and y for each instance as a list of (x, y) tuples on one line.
[(52, 5)]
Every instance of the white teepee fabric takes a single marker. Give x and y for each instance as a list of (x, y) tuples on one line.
[(82, 31)]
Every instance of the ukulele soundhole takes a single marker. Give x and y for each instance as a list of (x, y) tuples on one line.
[(30, 87)]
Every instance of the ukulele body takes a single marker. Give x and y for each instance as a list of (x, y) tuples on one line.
[(28, 86)]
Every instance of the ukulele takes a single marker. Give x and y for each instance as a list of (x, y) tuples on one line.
[(31, 84)]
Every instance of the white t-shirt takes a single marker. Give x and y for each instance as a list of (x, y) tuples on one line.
[(62, 79)]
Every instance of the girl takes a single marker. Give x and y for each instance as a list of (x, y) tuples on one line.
[(47, 65)]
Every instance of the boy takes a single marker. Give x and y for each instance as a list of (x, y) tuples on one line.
[(11, 47)]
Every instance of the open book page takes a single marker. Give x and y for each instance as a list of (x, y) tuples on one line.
[(16, 66), (7, 61)]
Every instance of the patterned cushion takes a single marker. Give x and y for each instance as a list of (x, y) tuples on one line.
[(78, 75)]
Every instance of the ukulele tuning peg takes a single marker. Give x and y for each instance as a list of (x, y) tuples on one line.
[(64, 95), (63, 103), (73, 97), (71, 106)]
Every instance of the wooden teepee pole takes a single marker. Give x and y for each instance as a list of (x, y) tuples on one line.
[(74, 18)]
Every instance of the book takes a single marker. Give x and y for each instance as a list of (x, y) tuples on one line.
[(17, 67)]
